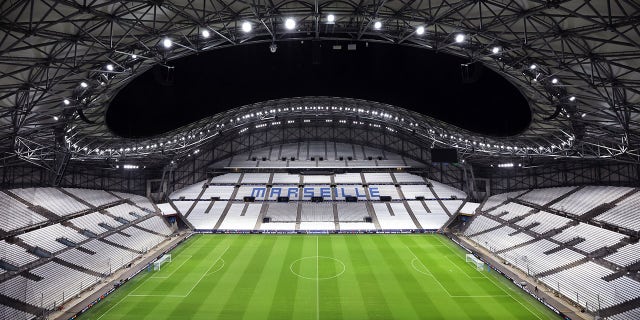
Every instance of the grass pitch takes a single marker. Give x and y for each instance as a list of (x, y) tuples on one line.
[(318, 277)]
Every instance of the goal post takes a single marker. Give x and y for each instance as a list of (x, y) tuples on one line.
[(158, 263), (475, 261)]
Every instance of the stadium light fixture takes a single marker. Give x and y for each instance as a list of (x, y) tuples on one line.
[(572, 98), (554, 80), (55, 118), (377, 25), (205, 33), (420, 30), (495, 50), (167, 43), (83, 84), (533, 67), (134, 56), (331, 18), (109, 67), (246, 26), (290, 24), (460, 38), (66, 102)]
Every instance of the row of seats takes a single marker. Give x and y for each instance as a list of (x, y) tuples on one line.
[(15, 255), (135, 239), (532, 258), (585, 285), (498, 199), (595, 237), (15, 215), (545, 222), (51, 199), (587, 198), (624, 214)]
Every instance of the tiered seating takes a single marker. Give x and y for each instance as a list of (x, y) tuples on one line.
[(624, 214), (282, 212), (222, 192), (532, 259), (547, 221), (399, 220), (45, 238), (405, 177), (124, 211), (411, 191), (202, 220), (480, 224), (227, 178), (348, 178), (497, 199), (444, 191), (584, 285), (626, 255), (15, 255), (316, 179), (51, 199), (352, 212), (15, 215), (256, 178), (155, 224), (378, 177), (501, 238), (8, 313), (94, 197), (90, 222), (386, 190), (627, 315), (469, 208), (512, 209), (183, 206), (236, 221), (107, 259), (285, 178), (188, 192), (316, 212), (588, 198), (245, 191), (138, 240), (452, 205), (433, 220), (543, 196), (140, 201), (59, 284), (595, 237)]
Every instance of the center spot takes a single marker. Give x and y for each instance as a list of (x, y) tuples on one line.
[(317, 268)]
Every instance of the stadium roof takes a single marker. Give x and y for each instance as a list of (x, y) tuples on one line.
[(61, 63)]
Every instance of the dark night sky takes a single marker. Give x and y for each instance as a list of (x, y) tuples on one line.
[(412, 78)]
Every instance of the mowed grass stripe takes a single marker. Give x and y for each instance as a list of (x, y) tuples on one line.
[(379, 281), (285, 289), (375, 301), (353, 303), (329, 298)]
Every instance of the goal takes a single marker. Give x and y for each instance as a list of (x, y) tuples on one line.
[(158, 263), (475, 261)]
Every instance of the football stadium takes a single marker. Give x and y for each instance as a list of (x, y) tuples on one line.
[(298, 159)]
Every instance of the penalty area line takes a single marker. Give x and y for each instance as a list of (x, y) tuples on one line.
[(205, 273)]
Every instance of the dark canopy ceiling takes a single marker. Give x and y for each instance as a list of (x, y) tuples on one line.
[(172, 95)]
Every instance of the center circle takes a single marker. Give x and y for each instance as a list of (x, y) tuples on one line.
[(317, 268)]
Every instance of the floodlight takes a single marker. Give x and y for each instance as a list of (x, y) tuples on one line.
[(290, 24), (66, 101), (205, 33), (167, 43), (420, 30), (246, 26), (495, 50), (554, 80), (377, 25), (572, 98), (110, 67), (83, 84), (460, 38), (331, 18)]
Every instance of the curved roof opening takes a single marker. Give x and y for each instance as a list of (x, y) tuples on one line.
[(191, 88)]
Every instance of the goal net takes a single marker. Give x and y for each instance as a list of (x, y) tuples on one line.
[(475, 261), (158, 263)]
